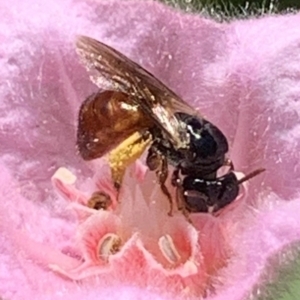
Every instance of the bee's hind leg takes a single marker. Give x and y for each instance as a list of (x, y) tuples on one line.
[(157, 162)]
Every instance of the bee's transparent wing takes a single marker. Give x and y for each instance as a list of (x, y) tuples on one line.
[(112, 70)]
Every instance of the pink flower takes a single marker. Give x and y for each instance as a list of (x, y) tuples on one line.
[(139, 235), (243, 76)]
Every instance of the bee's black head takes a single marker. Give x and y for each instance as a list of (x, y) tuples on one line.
[(210, 195)]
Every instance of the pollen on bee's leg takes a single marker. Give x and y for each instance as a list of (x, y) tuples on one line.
[(109, 245), (124, 155), (168, 249)]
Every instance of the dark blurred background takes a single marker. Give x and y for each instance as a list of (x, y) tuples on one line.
[(235, 8)]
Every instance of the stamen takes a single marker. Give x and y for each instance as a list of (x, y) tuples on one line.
[(99, 200), (64, 175), (110, 244), (168, 249)]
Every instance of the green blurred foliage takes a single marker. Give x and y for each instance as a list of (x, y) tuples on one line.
[(226, 9), (281, 5), (284, 283)]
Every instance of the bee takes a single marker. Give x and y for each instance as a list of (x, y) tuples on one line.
[(134, 111)]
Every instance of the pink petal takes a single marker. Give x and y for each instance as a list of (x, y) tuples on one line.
[(243, 76)]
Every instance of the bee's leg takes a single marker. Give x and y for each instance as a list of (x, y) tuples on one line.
[(176, 182), (157, 162), (162, 177)]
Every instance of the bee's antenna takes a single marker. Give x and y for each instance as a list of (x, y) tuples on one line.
[(251, 175)]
